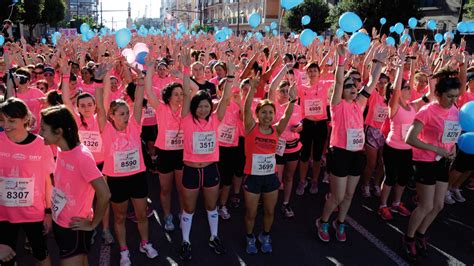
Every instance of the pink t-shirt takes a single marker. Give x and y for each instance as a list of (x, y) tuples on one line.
[(288, 137), (200, 139), (149, 117), (160, 83), (23, 173), (228, 130), (378, 111), (32, 99), (215, 80), (348, 126), (115, 95), (122, 150), (89, 88), (440, 128), (73, 192), (417, 95), (399, 125), (465, 98), (90, 136), (170, 135), (314, 100)]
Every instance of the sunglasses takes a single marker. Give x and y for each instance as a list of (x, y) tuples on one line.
[(349, 86), (38, 73), (48, 75), (357, 79), (302, 62), (283, 91)]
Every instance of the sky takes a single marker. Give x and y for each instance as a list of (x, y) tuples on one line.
[(138, 9)]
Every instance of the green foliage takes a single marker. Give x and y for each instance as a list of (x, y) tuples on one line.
[(53, 12), (469, 10), (371, 11), (316, 9), (31, 13), (5, 11)]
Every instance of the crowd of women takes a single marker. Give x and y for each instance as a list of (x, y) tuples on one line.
[(80, 122)]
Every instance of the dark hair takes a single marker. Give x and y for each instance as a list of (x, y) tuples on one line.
[(221, 64), (83, 96), (16, 108), (130, 89), (168, 91), (212, 55), (313, 64), (197, 98), (445, 84), (264, 103), (59, 117), (54, 98), (24, 71), (388, 92), (384, 76)]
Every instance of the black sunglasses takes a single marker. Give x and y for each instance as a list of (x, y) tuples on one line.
[(349, 86)]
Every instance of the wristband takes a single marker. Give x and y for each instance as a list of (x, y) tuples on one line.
[(364, 93), (186, 71), (341, 60), (230, 76), (425, 99), (66, 76), (293, 101), (48, 211)]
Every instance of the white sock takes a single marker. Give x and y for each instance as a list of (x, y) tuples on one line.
[(213, 219), (186, 222)]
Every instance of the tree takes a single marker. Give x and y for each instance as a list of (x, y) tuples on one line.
[(53, 12), (6, 10), (31, 13), (316, 9), (469, 11), (370, 11)]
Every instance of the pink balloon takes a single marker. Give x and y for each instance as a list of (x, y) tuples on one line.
[(129, 55), (140, 47)]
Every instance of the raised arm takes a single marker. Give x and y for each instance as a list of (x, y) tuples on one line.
[(186, 62), (138, 102), (225, 100), (150, 93), (281, 125), (397, 84), (336, 96), (249, 121), (66, 93), (380, 56), (99, 97), (275, 82)]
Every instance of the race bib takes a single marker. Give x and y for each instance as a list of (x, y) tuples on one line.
[(226, 133), (263, 164), (91, 139), (17, 192), (204, 142), (405, 128), (149, 112), (451, 132), (126, 161), (281, 147), (313, 107), (174, 140), (355, 139), (381, 113), (58, 202)]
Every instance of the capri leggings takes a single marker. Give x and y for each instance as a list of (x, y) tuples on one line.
[(313, 138)]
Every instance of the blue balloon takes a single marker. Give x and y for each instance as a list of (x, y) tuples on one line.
[(220, 36), (43, 40), (462, 27), (339, 33), (90, 35), (305, 20), (123, 37), (249, 34), (449, 35), (383, 21), (392, 29), (2, 40), (350, 22), (267, 28), (140, 57), (470, 26), (359, 43), (412, 22), (255, 19), (134, 26), (431, 25), (321, 38), (405, 37), (438, 37), (259, 36), (466, 116), (399, 28), (84, 28), (466, 142), (275, 32), (390, 41), (83, 38), (273, 25), (289, 4), (307, 37)]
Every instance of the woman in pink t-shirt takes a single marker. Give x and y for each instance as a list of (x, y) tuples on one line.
[(433, 136), (200, 156), (76, 180), (25, 184), (124, 165), (346, 159)]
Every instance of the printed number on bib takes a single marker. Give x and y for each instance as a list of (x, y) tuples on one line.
[(226, 133), (451, 132), (204, 142), (381, 113), (149, 112), (91, 139), (313, 107), (355, 139), (58, 202), (263, 164), (281, 147), (174, 140), (16, 192), (126, 161), (405, 128)]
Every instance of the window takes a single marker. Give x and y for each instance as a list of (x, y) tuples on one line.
[(429, 3)]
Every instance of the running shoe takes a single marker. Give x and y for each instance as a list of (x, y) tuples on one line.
[(365, 191), (216, 244), (301, 187), (266, 243), (409, 249), (456, 195), (169, 225), (287, 211), (448, 198), (385, 213), (340, 231), (107, 237), (421, 245), (223, 213), (470, 185), (125, 258), (148, 249), (400, 209), (251, 245), (323, 230), (377, 190), (314, 187), (234, 201), (185, 252)]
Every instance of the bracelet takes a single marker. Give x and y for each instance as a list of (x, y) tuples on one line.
[(341, 60), (425, 99), (186, 71), (364, 93), (66, 76), (293, 101), (230, 76), (377, 61), (48, 211)]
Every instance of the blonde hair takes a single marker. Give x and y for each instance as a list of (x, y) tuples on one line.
[(114, 105)]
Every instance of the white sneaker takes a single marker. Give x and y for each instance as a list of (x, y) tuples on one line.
[(223, 213), (151, 253), (456, 195), (448, 198), (125, 258), (377, 190), (365, 191)]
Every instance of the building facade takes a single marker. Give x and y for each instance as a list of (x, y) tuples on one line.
[(82, 8)]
